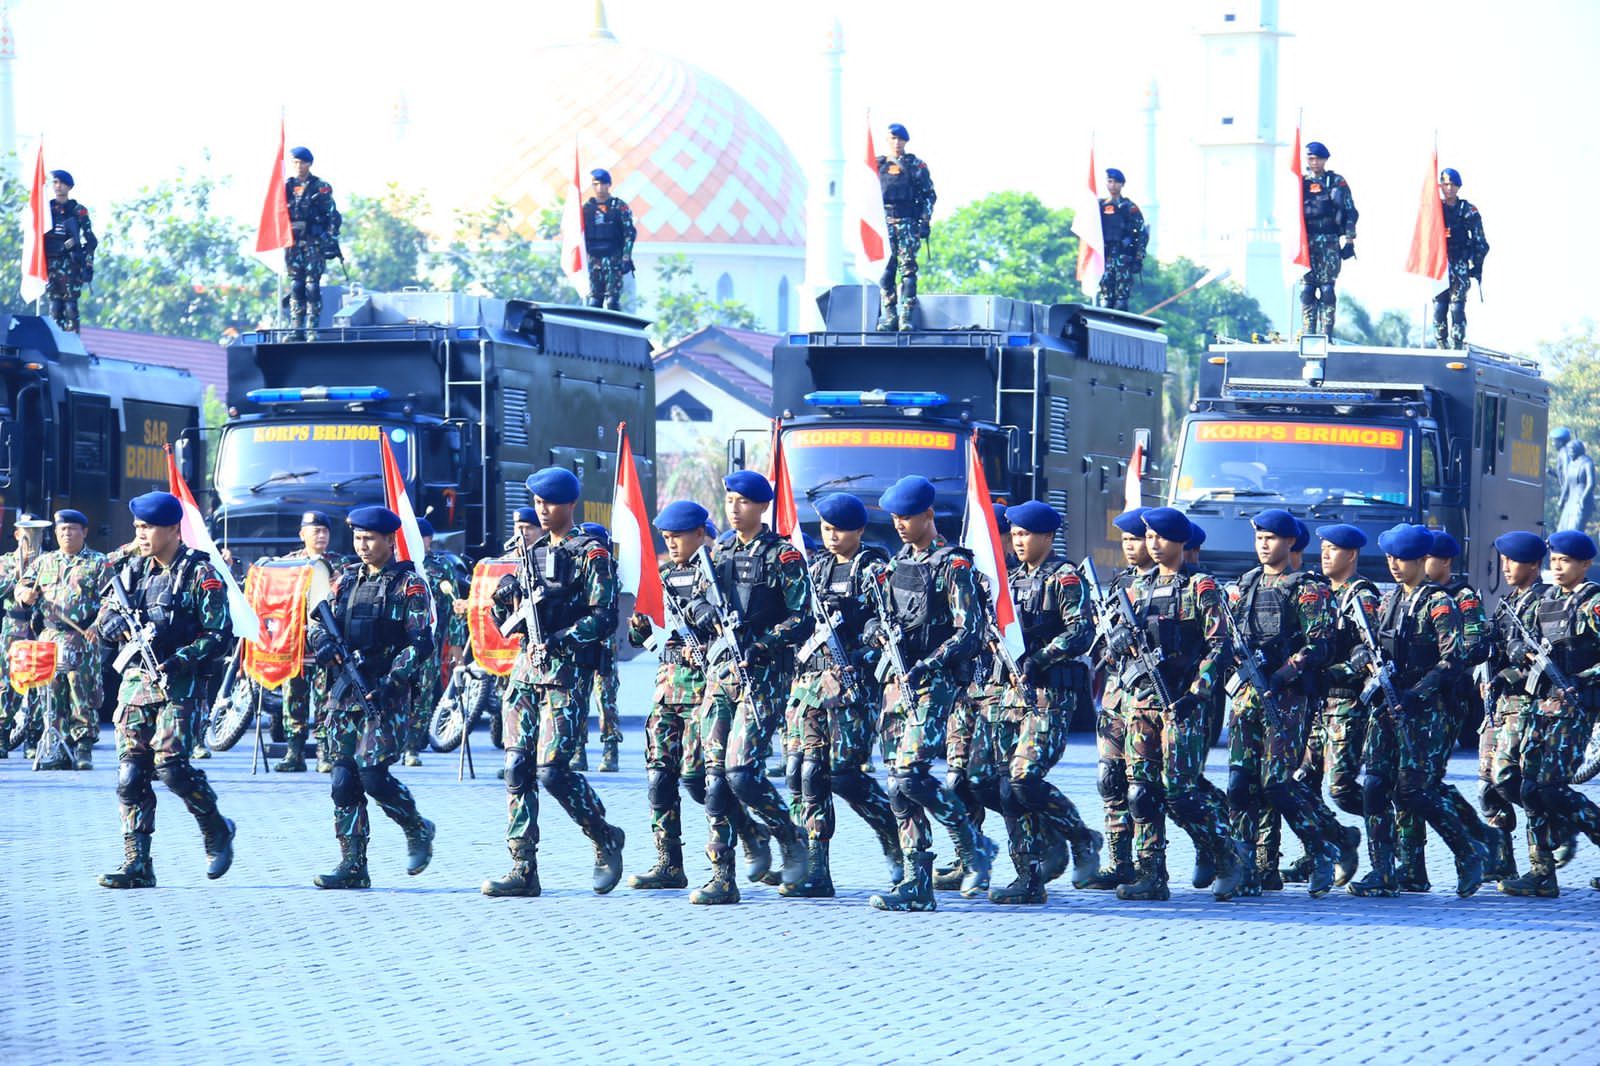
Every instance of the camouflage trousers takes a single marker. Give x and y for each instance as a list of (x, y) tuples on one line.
[(299, 695), (1033, 806), (604, 704), (1439, 740), (540, 725), (154, 740), (1318, 301), (1111, 746), (305, 263), (77, 691), (921, 719), (827, 738), (1500, 753), (736, 731), (672, 755), (605, 281), (1450, 308), (1166, 760), (424, 698), (63, 289), (1552, 752), (361, 748), (981, 736), (1264, 751), (1333, 752), (1398, 776), (903, 247), (1116, 284)]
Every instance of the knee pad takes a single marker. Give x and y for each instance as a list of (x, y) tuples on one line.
[(815, 778), (1348, 799), (848, 782), (519, 772), (661, 786), (1410, 788), (1188, 805), (742, 782), (696, 787), (1441, 303), (1375, 793), (345, 785), (1144, 801), (1241, 788), (553, 776), (792, 772), (377, 781), (1113, 780), (171, 774), (1013, 804), (133, 780), (918, 784), (1308, 295), (719, 797)]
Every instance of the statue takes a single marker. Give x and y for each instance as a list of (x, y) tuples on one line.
[(1576, 472)]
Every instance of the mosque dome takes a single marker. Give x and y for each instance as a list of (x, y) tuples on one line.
[(697, 163)]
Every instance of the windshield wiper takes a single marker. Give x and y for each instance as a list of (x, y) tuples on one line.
[(1360, 497), (812, 492), (291, 475), (338, 486), (1233, 494)]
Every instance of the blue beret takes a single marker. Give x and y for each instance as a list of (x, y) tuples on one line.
[(1035, 517), (315, 518), (554, 484), (1573, 543), (1277, 521), (841, 510), (63, 175), (711, 528), (1561, 434), (601, 174), (153, 508), (680, 516), (301, 153), (1444, 545), (899, 131), (373, 519), (1114, 174), (1318, 149), (1131, 522), (1000, 520), (1169, 523), (1343, 535), (812, 544), (1197, 536), (69, 514), (598, 532), (1406, 542), (749, 484), (1302, 536), (912, 494), (1451, 175), (1520, 546), (425, 527), (529, 515)]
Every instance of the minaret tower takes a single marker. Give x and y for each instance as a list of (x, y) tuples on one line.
[(825, 256)]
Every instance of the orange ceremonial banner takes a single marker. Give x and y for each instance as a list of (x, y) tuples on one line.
[(277, 591), (495, 652), (32, 663)]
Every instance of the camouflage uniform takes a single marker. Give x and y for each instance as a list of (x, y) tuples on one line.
[(608, 235), (981, 736), (69, 599), (188, 606), (1507, 719), (1339, 734), (383, 616), (311, 685), (315, 219), (69, 260), (1330, 213), (450, 631), (1111, 745), (603, 700), (908, 199), (1467, 247), (1126, 238), (16, 625)]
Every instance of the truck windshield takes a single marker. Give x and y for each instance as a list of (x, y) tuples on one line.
[(865, 460), (1342, 463), (257, 457)]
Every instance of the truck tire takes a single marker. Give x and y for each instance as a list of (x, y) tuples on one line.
[(231, 717), (1591, 758)]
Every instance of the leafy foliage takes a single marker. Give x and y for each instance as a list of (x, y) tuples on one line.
[(683, 305)]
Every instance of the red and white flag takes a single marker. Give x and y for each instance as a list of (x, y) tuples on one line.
[(1091, 233), (408, 546), (1296, 245), (35, 224), (632, 544), (1429, 257), (864, 191), (1132, 489), (574, 257), (785, 515), (989, 551), (274, 233), (242, 617)]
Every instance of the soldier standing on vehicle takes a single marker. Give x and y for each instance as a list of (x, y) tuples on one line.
[(174, 591), (1466, 247), (608, 236), (1569, 624), (64, 587), (69, 252), (908, 199), (449, 637), (314, 218), (380, 611), (1126, 237), (1330, 217), (604, 697), (312, 683), (565, 595), (930, 625)]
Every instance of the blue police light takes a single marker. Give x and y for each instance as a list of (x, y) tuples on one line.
[(876, 398), (1301, 396), (331, 394), (1017, 340)]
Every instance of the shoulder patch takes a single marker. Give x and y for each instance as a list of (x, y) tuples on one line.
[(960, 563), (211, 584), (1205, 583), (1439, 610), (790, 555), (415, 588), (597, 551)]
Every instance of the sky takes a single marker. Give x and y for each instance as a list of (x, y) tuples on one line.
[(1000, 95)]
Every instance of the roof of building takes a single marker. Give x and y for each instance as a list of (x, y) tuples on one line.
[(206, 360), (737, 361)]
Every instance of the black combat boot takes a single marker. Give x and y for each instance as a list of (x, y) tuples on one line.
[(893, 856), (1505, 855), (608, 756), (1320, 881), (324, 756), (608, 858), (1267, 875), (722, 888), (1540, 880), (136, 870), (1029, 886), (1380, 879), (1296, 873), (83, 757), (1152, 882), (1411, 869), (915, 893), (580, 761), (218, 833), (352, 869), (523, 877), (756, 840), (1470, 862), (949, 878), (817, 880), (1205, 868), (668, 870), (1086, 856), (977, 857), (1567, 847), (1118, 871), (1348, 860), (294, 756), (1055, 852), (1230, 866), (792, 846), (419, 845)]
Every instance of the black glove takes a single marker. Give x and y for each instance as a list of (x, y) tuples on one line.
[(917, 673), (1361, 661), (627, 265), (955, 778), (171, 666), (1518, 652), (872, 633), (1348, 251), (702, 615), (1034, 669), (325, 653), (924, 229), (1119, 644), (115, 629), (1187, 707), (1284, 680), (1414, 702)]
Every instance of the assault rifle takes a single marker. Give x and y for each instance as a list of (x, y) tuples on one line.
[(893, 632), (1112, 610), (349, 662), (826, 636), (727, 642), (1543, 664), (526, 616), (1381, 669), (1249, 662), (140, 638)]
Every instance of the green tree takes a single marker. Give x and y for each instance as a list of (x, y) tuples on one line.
[(682, 304), (1006, 244), (486, 255), (13, 199), (1393, 329), (383, 240), (1573, 366)]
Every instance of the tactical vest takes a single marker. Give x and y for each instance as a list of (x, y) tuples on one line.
[(1179, 641), (1572, 649), (159, 594), (63, 225), (1504, 633), (602, 227), (1321, 209), (555, 567), (1346, 638), (1456, 242), (750, 581), (1400, 635), (303, 209), (369, 625), (914, 599), (901, 198), (1113, 222), (837, 585), (1269, 616), (1039, 627)]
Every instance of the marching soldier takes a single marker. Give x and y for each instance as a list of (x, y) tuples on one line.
[(315, 530), (174, 589), (69, 252), (1419, 632), (380, 608), (18, 622), (1465, 247), (315, 220), (1057, 628), (450, 632), (930, 618), (833, 705), (760, 579), (1126, 237), (566, 598), (64, 586), (908, 199), (608, 235), (604, 698), (1330, 216), (525, 530), (1569, 624), (673, 754)]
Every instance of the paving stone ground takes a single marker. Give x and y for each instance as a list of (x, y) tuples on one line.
[(262, 967)]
